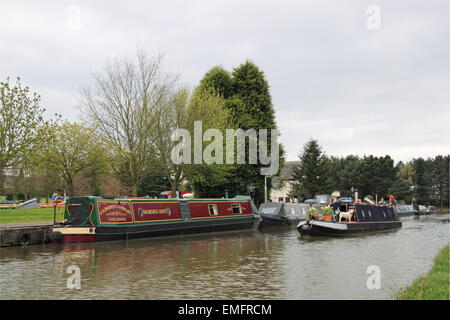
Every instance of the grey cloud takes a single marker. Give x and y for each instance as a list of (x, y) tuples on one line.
[(357, 90)]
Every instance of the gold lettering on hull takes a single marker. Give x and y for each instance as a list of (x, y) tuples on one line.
[(114, 212)]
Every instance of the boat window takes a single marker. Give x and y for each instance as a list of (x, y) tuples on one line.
[(236, 208), (269, 210), (212, 208)]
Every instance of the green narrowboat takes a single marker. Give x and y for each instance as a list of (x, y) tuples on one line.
[(88, 219)]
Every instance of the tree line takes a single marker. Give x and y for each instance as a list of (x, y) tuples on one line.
[(122, 146), (423, 181)]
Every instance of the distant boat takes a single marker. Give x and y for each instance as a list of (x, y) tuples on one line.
[(406, 209), (280, 213), (365, 219), (431, 209), (413, 209)]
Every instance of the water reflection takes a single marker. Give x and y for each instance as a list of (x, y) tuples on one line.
[(271, 263)]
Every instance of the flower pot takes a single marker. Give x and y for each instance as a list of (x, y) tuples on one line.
[(327, 217)]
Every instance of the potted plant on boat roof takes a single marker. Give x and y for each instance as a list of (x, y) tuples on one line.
[(312, 212), (327, 213)]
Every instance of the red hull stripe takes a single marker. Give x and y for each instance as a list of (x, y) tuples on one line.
[(77, 238)]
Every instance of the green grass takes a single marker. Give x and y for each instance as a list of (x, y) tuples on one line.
[(41, 200), (433, 286), (29, 215)]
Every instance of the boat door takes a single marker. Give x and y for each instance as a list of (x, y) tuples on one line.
[(184, 208), (78, 211)]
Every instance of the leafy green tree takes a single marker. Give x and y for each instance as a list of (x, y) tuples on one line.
[(154, 182), (217, 81), (429, 179), (313, 172), (208, 105), (251, 108), (251, 89), (441, 166), (421, 180), (401, 189), (72, 148), (240, 100), (375, 176), (405, 171), (208, 180), (174, 115), (344, 174), (20, 119)]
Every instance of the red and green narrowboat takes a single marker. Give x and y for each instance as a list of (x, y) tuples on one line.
[(89, 218)]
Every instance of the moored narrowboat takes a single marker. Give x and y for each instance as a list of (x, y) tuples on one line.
[(431, 209), (414, 209), (406, 209), (359, 219), (279, 213), (88, 219)]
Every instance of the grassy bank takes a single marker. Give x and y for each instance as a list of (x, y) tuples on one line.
[(433, 286), (41, 200), (29, 215)]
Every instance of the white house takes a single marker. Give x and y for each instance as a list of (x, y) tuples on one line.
[(281, 185)]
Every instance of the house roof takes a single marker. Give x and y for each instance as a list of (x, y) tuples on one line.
[(288, 170)]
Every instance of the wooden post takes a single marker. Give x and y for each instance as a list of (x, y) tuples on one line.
[(54, 212)]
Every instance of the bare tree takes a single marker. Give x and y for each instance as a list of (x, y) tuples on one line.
[(124, 103), (112, 187), (174, 116)]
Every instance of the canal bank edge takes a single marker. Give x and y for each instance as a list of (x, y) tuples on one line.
[(435, 285), (16, 234)]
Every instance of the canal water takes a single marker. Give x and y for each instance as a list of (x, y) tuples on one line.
[(271, 263)]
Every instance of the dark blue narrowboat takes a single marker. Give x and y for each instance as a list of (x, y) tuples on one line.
[(360, 219)]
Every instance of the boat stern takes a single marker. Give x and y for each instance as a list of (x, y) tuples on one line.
[(304, 227), (72, 234)]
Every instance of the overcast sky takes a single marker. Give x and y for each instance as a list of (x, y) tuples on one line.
[(359, 84)]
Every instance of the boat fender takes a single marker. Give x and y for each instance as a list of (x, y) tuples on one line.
[(305, 227), (55, 235), (24, 238)]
